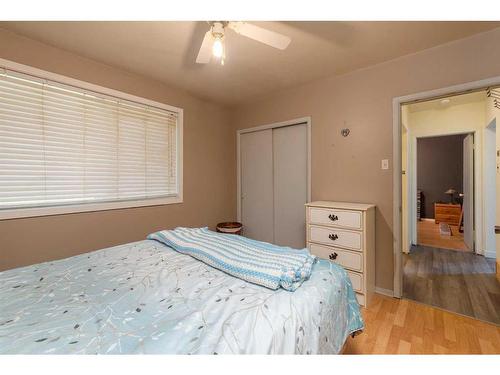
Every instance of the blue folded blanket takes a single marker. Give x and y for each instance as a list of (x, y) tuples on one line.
[(257, 262)]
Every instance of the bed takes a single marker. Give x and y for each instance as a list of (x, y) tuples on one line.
[(144, 297)]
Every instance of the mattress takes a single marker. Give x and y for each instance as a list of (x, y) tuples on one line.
[(144, 297)]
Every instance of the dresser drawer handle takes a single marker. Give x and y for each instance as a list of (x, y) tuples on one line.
[(333, 237), (333, 217), (333, 256)]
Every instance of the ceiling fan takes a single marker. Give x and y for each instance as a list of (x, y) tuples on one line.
[(213, 42)]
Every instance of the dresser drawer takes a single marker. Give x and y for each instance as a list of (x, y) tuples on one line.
[(448, 210), (450, 219), (356, 281), (334, 217), (348, 259), (336, 237)]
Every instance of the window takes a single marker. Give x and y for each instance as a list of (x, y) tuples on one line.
[(74, 149)]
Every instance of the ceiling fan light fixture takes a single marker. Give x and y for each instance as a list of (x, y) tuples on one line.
[(218, 47), (213, 44)]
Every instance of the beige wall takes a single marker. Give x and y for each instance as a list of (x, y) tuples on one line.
[(209, 182), (348, 169)]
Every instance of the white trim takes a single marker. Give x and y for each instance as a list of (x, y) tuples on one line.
[(409, 209), (412, 183), (488, 238), (85, 207), (397, 187), (396, 156), (238, 177), (101, 206), (490, 254), (302, 120), (179, 157), (385, 292)]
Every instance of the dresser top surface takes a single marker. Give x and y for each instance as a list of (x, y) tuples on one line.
[(341, 205), (447, 204)]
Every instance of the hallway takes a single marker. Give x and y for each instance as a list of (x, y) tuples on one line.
[(457, 281)]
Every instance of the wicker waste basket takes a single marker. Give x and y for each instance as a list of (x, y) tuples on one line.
[(232, 227)]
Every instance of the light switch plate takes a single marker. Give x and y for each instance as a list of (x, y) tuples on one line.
[(385, 163)]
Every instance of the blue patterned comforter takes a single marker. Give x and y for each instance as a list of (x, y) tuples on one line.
[(144, 297)]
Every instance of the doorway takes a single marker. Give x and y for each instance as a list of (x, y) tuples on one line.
[(448, 261), (445, 191)]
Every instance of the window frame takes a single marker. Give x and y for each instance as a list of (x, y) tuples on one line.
[(16, 213)]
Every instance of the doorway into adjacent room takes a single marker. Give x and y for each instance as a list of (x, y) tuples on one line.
[(445, 191), (448, 204)]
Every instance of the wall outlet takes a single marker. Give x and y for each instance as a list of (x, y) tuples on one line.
[(385, 163)]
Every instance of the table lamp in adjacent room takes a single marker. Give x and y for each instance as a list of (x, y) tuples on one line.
[(451, 193)]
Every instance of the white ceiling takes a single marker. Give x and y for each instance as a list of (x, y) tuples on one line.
[(166, 51)]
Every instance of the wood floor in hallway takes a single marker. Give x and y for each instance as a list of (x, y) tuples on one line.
[(457, 281), (428, 234), (400, 326)]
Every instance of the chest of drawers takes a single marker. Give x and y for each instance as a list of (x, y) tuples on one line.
[(447, 213), (344, 233)]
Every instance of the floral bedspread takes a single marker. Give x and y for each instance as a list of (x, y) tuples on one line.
[(144, 297)]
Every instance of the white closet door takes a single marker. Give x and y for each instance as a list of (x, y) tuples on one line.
[(290, 185), (468, 203), (256, 152)]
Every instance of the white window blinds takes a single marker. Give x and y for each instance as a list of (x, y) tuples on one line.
[(60, 145)]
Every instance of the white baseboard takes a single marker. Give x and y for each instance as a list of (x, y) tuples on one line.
[(490, 254), (385, 292)]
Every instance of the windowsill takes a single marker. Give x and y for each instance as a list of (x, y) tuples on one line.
[(18, 213)]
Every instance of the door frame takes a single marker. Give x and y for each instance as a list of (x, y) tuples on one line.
[(489, 218), (302, 120), (397, 160)]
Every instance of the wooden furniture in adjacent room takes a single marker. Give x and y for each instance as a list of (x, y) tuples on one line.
[(447, 213), (419, 204), (344, 233)]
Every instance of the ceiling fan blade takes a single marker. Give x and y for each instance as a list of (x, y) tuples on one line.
[(205, 52), (260, 34)]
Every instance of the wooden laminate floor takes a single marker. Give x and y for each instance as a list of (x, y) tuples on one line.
[(461, 282), (400, 326), (428, 234)]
